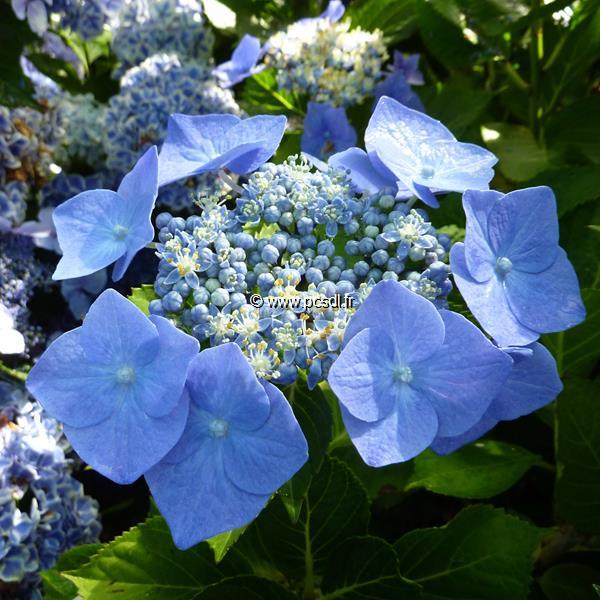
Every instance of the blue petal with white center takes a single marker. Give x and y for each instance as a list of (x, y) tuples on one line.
[(98, 227), (515, 278), (408, 374), (116, 382), (198, 144), (240, 444), (423, 154)]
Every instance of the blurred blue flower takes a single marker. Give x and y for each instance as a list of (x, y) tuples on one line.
[(408, 373), (334, 12), (326, 131), (409, 67), (397, 87), (99, 227), (423, 154), (198, 144), (242, 63), (240, 444), (515, 278), (116, 383), (81, 291), (34, 11), (532, 383)]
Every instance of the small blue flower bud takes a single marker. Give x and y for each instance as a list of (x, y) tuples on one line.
[(344, 287), (313, 275), (244, 240), (371, 231), (270, 254), (219, 297), (201, 296), (156, 308), (176, 224), (366, 245), (182, 288), (265, 281), (361, 268), (212, 284), (417, 254), (374, 274), (339, 261), (333, 273), (352, 248), (162, 219), (293, 245), (326, 247), (327, 288), (172, 302), (321, 262), (380, 257)]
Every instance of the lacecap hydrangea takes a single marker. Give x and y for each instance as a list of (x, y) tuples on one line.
[(43, 508), (325, 59), (328, 270)]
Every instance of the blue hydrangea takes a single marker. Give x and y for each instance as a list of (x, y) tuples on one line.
[(240, 444), (21, 273), (43, 509), (326, 131), (99, 227), (66, 185), (13, 202), (423, 155), (276, 243), (515, 278), (532, 383), (82, 291), (116, 383), (137, 116), (177, 27), (408, 373)]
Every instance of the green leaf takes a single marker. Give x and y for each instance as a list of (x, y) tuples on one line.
[(247, 587), (442, 36), (520, 157), (392, 478), (220, 544), (144, 563), (335, 508), (365, 567), (480, 470), (261, 95), (569, 581), (492, 17), (57, 587), (574, 130), (314, 416), (572, 186), (577, 350), (578, 454), (142, 297), (482, 553), (395, 18)]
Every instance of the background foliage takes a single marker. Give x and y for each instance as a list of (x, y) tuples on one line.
[(514, 515)]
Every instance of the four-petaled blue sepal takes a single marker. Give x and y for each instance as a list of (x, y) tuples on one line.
[(423, 154), (98, 227), (408, 373), (326, 131), (532, 383), (240, 444), (515, 278), (198, 144), (116, 383), (242, 63)]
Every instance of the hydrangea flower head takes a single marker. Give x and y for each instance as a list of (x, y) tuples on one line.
[(423, 154), (240, 444), (99, 227), (116, 383), (515, 278), (34, 11), (533, 382), (326, 130), (408, 373), (198, 144), (242, 63)]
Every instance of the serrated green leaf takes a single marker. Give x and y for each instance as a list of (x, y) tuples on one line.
[(366, 567), (144, 563), (220, 544), (577, 350), (335, 508), (395, 18), (314, 416), (142, 297), (482, 553), (57, 587), (569, 581), (520, 156), (578, 454), (480, 470), (247, 587)]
